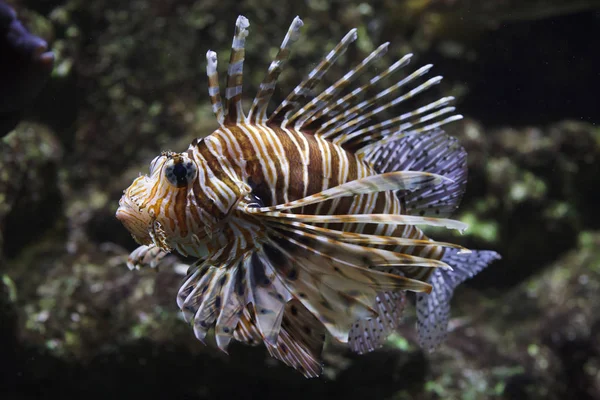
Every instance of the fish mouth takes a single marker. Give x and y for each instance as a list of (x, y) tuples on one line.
[(136, 221)]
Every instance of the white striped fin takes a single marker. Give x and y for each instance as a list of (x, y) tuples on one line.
[(399, 180), (405, 130), (373, 256), (323, 100), (213, 86), (433, 151), (209, 307), (382, 129), (348, 100), (337, 288), (370, 334), (258, 110), (358, 112), (232, 304), (187, 288), (269, 295), (371, 240), (235, 73), (433, 310), (386, 219), (300, 342), (314, 77), (145, 256)]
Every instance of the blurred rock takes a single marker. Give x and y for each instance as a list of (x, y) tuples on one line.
[(528, 188), (30, 198)]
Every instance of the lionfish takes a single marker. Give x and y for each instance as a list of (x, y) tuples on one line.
[(305, 221)]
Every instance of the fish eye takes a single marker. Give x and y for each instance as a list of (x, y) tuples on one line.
[(180, 171)]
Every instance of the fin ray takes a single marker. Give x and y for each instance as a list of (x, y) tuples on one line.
[(235, 73), (433, 310), (387, 219), (314, 77), (269, 295), (398, 180), (258, 110), (434, 152), (367, 335), (371, 240), (327, 96), (213, 86)]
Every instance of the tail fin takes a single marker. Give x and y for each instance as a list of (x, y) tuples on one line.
[(433, 310)]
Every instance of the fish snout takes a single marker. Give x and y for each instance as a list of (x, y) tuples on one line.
[(135, 220)]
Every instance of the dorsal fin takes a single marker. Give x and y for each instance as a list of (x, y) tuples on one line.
[(213, 86), (303, 90), (434, 152), (349, 120), (258, 111), (318, 103), (370, 334), (235, 72), (336, 106)]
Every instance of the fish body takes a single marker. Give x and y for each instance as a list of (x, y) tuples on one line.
[(25, 68), (305, 221)]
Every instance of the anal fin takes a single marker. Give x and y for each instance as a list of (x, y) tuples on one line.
[(433, 310), (370, 334), (300, 341)]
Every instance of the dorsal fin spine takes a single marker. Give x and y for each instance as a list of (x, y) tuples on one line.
[(360, 108), (314, 77), (213, 86), (235, 73), (384, 126), (321, 101), (350, 126), (258, 111), (346, 101), (403, 130)]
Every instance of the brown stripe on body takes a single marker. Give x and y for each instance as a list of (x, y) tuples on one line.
[(201, 198), (230, 151), (213, 163), (315, 176), (204, 202), (276, 151), (255, 176), (294, 153), (298, 188), (180, 211), (196, 221)]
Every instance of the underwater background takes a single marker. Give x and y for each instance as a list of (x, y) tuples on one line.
[(129, 81)]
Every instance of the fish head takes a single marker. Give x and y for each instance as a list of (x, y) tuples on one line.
[(155, 207)]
